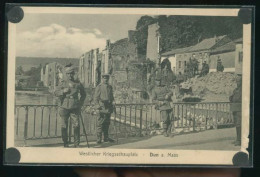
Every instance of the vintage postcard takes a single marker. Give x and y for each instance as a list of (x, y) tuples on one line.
[(129, 86)]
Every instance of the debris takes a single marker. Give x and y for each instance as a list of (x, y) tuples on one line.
[(215, 86)]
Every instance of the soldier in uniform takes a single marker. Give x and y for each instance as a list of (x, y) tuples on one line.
[(104, 101), (236, 100), (220, 67), (205, 69), (161, 95), (72, 95)]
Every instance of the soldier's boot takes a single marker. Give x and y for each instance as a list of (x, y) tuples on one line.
[(238, 141), (99, 138), (64, 136), (106, 137), (76, 137), (165, 130)]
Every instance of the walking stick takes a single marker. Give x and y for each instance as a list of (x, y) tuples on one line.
[(84, 130), (115, 124)]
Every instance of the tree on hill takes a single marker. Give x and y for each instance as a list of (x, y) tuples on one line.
[(35, 73), (184, 31), (19, 70)]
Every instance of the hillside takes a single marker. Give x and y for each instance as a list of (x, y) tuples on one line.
[(215, 86), (28, 62), (185, 31)]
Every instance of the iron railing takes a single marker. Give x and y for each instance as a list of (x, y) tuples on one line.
[(35, 122)]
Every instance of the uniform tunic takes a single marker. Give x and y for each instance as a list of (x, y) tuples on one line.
[(103, 99), (236, 100), (162, 97), (71, 102)]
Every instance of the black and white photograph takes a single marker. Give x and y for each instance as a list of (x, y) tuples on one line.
[(128, 85)]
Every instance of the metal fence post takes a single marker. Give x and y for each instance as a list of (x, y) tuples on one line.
[(17, 120), (26, 125), (216, 127), (70, 129), (193, 119), (141, 119)]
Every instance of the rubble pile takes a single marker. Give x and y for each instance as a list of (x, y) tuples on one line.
[(215, 86)]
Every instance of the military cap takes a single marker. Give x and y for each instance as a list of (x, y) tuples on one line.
[(69, 69)]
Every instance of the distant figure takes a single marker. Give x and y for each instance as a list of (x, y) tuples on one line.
[(205, 69), (104, 101), (220, 67), (189, 70), (180, 78), (194, 65), (72, 95), (236, 100), (162, 97)]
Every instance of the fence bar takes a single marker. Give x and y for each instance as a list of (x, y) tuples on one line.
[(146, 122), (56, 120), (125, 121), (178, 116), (70, 129), (17, 120), (42, 120), (49, 121), (26, 125), (120, 117), (141, 120), (216, 127), (193, 124), (34, 121), (151, 122), (182, 115), (130, 114), (135, 116), (186, 116)]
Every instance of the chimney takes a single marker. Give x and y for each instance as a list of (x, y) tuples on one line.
[(108, 44), (199, 39), (216, 38)]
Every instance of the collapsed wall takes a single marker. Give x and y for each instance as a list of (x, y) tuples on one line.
[(215, 86)]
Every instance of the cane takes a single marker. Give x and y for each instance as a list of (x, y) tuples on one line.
[(84, 130), (115, 124)]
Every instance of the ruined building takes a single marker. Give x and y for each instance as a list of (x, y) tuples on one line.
[(114, 59)]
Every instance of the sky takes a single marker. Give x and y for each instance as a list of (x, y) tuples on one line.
[(69, 35)]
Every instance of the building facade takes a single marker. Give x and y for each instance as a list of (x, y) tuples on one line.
[(202, 52), (231, 56), (114, 60), (88, 68), (49, 75), (179, 59)]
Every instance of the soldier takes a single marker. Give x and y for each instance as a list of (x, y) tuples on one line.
[(236, 100), (220, 67), (72, 95), (162, 97), (104, 101), (205, 69)]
